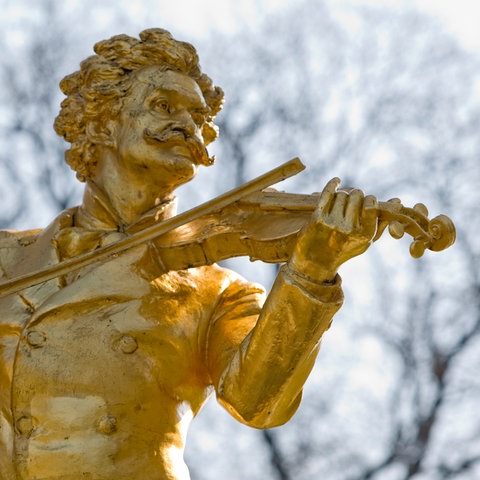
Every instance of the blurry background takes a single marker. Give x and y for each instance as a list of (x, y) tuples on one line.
[(384, 95)]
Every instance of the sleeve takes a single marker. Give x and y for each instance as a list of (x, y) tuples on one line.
[(260, 354)]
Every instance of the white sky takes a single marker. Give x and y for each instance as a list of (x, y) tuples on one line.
[(197, 18), (462, 17)]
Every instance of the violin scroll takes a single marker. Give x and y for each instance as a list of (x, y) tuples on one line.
[(436, 234)]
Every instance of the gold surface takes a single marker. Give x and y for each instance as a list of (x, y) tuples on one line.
[(104, 365)]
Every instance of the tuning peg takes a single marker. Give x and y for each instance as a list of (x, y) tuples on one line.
[(417, 249), (421, 208), (396, 229)]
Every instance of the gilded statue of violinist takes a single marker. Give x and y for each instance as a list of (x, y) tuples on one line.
[(104, 366)]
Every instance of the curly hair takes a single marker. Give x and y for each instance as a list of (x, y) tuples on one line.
[(103, 80)]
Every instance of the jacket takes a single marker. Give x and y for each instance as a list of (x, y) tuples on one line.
[(102, 370)]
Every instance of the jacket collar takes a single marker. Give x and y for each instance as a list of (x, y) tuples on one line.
[(97, 213)]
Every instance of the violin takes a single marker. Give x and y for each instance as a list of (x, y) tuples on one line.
[(251, 220), (264, 226)]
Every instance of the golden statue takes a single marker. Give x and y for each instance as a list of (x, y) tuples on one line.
[(117, 325)]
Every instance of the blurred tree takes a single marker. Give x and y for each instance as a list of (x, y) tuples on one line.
[(41, 43), (30, 159), (389, 102), (383, 99)]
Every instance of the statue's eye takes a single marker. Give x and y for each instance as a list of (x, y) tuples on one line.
[(161, 105)]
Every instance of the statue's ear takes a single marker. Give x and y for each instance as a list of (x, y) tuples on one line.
[(101, 133)]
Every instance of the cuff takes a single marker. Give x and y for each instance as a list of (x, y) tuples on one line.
[(325, 292)]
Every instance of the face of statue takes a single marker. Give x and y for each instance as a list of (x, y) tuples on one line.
[(156, 139)]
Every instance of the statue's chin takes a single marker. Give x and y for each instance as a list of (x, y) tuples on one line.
[(180, 169)]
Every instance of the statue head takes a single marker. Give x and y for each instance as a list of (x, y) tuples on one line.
[(95, 92)]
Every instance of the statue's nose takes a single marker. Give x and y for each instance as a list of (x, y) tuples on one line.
[(184, 121)]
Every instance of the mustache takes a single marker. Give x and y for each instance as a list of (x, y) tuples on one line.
[(175, 134)]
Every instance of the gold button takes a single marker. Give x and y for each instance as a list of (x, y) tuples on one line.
[(25, 426), (36, 339), (128, 344), (107, 425)]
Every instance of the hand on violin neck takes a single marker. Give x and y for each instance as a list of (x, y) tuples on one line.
[(342, 227)]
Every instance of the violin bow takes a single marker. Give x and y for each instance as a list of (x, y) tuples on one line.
[(282, 172)]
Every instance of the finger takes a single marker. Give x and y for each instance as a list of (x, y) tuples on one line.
[(353, 209), (332, 185), (370, 213), (370, 205), (339, 206), (326, 197)]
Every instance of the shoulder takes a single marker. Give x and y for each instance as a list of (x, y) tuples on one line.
[(23, 238), (237, 298), (225, 279), (13, 245), (211, 286), (16, 244), (18, 238)]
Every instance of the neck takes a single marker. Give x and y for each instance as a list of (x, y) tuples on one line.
[(97, 211), (127, 193), (129, 204), (130, 188)]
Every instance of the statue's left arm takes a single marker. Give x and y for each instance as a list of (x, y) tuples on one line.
[(258, 359), (259, 363)]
